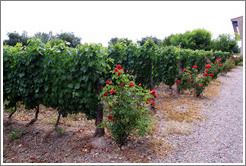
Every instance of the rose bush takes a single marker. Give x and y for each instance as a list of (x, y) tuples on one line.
[(191, 79), (126, 107)]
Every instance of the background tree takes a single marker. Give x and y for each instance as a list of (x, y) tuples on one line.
[(114, 40), (69, 37), (44, 37), (167, 40), (15, 38), (225, 43), (154, 39), (196, 39)]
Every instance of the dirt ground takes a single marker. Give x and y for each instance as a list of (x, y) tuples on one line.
[(74, 143)]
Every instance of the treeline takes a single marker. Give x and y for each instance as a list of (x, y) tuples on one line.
[(198, 39), (202, 39), (50, 38)]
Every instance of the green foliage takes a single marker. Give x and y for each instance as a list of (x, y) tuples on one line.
[(196, 39), (15, 38), (44, 37), (240, 64), (15, 134), (144, 62), (55, 42), (59, 130), (228, 65), (61, 77), (145, 39), (69, 37), (124, 105), (115, 40), (12, 62), (192, 79), (225, 43), (238, 59), (166, 72)]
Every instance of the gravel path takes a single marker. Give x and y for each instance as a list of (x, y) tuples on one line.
[(219, 139)]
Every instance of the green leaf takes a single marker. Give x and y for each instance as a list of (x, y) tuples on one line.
[(70, 85), (21, 74), (77, 86)]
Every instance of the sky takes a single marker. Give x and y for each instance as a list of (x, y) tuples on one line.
[(98, 22)]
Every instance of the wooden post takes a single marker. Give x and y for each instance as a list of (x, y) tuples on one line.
[(203, 64), (179, 73), (99, 131), (58, 119)]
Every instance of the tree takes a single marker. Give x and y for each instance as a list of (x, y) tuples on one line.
[(167, 40), (154, 39), (225, 43), (69, 37), (15, 38), (197, 39), (44, 37), (114, 40)]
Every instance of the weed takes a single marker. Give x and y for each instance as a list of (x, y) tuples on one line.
[(10, 110), (240, 64), (53, 119), (16, 134), (59, 130)]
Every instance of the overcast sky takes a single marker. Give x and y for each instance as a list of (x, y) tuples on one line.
[(98, 22)]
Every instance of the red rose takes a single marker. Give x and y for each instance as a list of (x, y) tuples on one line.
[(106, 94), (110, 82), (116, 70), (107, 81), (206, 70), (118, 67), (131, 84), (206, 74), (211, 74), (110, 117), (152, 92), (217, 58), (155, 96), (178, 82), (152, 101), (188, 79), (215, 62), (140, 84), (220, 64), (110, 110), (119, 73), (195, 67), (220, 60), (200, 84), (195, 84), (191, 72), (122, 84), (112, 91), (148, 100), (208, 66), (184, 70)]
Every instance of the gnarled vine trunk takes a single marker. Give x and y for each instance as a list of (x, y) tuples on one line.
[(99, 131), (36, 117)]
